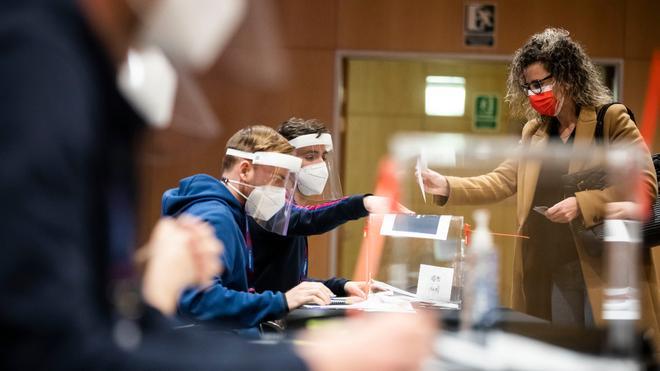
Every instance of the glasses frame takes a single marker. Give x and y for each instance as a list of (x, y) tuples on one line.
[(536, 86)]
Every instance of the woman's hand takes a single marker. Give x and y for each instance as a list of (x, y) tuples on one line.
[(435, 183), (623, 210), (563, 211)]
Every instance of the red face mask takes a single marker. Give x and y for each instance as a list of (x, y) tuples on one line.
[(544, 103)]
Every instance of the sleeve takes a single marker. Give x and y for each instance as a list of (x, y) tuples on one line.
[(218, 303), (318, 219), (621, 131), (494, 186), (335, 284), (47, 305), (222, 305)]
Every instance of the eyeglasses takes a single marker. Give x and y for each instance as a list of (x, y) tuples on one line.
[(536, 86)]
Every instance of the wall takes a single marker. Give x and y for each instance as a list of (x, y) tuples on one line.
[(384, 97), (304, 36)]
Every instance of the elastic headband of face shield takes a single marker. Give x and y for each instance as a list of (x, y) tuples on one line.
[(269, 205), (307, 140), (275, 159)]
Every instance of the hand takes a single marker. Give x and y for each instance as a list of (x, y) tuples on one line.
[(359, 289), (401, 341), (205, 249), (623, 210), (384, 205), (308, 293), (564, 211), (180, 253), (435, 183)]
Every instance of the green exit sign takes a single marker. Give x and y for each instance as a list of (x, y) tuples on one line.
[(486, 112)]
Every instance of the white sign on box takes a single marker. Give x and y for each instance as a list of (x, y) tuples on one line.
[(434, 283)]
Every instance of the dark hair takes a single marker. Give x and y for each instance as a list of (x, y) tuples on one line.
[(295, 127), (256, 138), (569, 65)]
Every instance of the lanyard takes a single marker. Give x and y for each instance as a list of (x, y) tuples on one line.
[(249, 269), (303, 273)]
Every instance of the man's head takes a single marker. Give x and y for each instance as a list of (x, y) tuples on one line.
[(257, 138), (296, 127), (318, 179)]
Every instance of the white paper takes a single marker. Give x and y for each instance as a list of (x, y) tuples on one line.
[(438, 233), (377, 302), (421, 166), (385, 287), (434, 283)]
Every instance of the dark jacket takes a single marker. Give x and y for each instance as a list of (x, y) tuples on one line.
[(227, 302), (281, 262), (66, 150)]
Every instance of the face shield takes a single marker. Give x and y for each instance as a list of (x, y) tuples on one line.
[(272, 190), (318, 179)]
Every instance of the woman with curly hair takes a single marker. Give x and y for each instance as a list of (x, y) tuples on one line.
[(557, 87)]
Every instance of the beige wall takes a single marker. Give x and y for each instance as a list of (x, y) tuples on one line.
[(309, 33)]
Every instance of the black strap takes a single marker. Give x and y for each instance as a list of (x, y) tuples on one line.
[(600, 120)]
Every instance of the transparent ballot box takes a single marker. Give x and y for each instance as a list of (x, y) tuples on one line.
[(564, 224), (419, 256)]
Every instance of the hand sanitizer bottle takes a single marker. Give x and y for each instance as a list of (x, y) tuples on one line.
[(480, 294)]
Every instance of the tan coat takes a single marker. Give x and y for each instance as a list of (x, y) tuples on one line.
[(511, 178)]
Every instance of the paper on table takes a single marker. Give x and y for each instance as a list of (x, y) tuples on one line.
[(413, 298), (422, 165), (376, 302), (385, 287)]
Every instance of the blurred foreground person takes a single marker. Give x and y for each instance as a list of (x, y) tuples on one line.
[(69, 297)]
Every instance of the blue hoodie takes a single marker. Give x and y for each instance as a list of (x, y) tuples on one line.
[(280, 262), (226, 302)]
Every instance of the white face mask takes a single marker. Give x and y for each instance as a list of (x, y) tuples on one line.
[(265, 201), (149, 83), (193, 32), (312, 179)]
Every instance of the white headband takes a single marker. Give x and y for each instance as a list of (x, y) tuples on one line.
[(277, 159), (307, 140), (239, 153)]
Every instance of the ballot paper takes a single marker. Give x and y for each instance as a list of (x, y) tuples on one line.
[(434, 283), (421, 166), (387, 298), (383, 301), (433, 227)]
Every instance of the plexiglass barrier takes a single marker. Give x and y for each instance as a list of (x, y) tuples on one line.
[(548, 202)]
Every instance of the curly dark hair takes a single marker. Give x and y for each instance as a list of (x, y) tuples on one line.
[(570, 66), (295, 127)]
